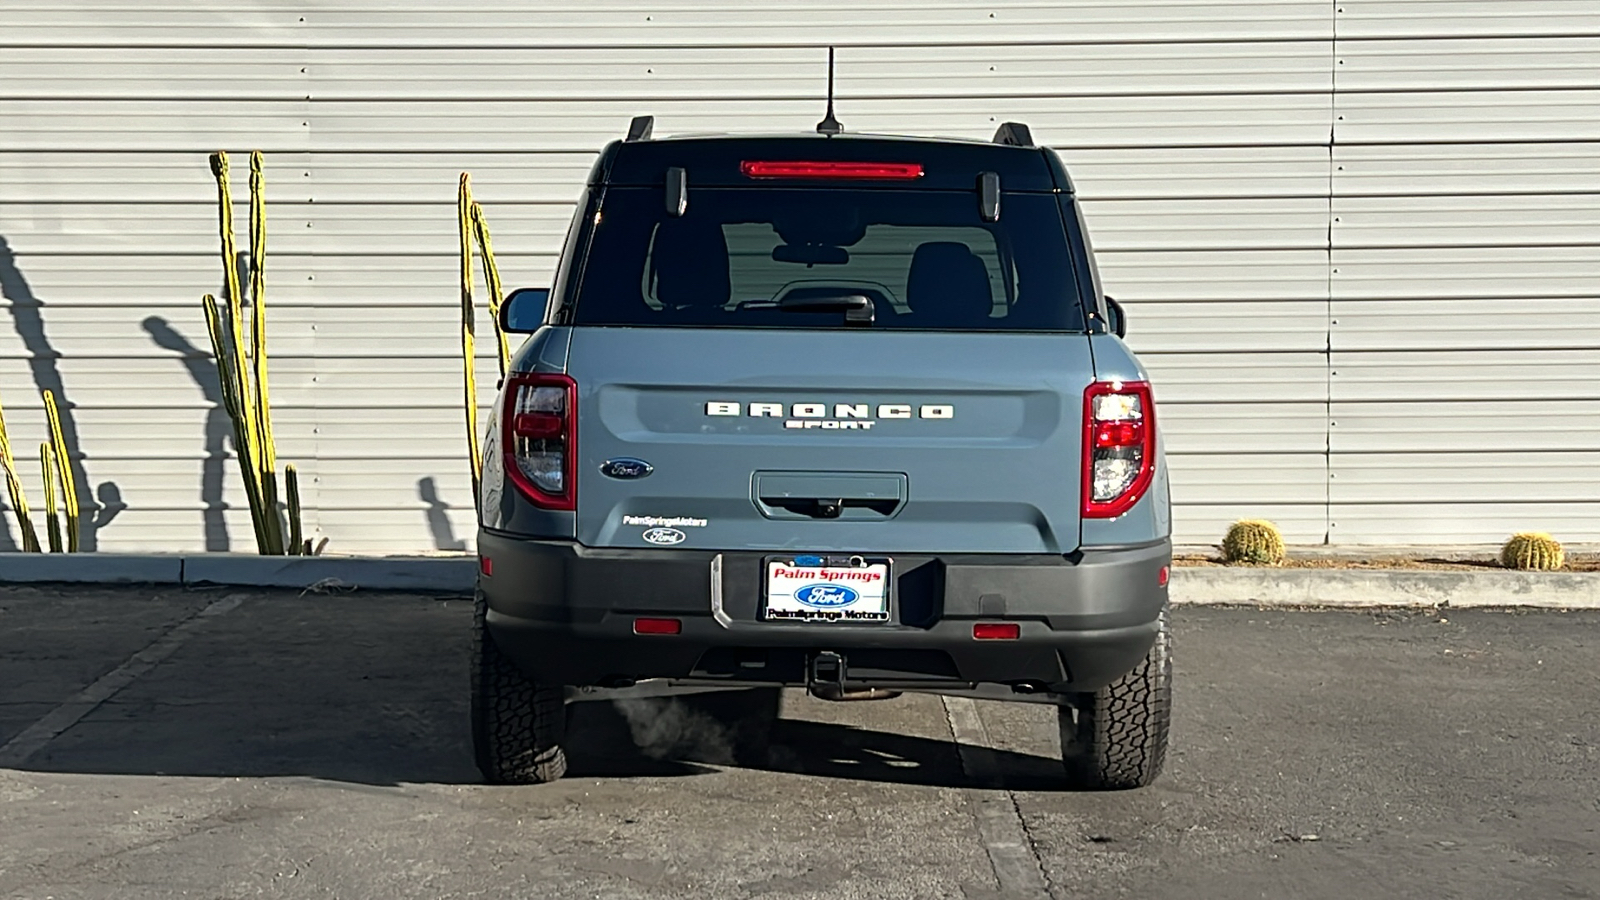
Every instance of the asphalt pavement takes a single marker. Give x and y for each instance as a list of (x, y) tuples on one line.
[(222, 744)]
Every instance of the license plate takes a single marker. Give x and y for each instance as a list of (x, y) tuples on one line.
[(827, 589)]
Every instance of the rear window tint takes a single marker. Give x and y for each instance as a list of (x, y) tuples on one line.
[(925, 259)]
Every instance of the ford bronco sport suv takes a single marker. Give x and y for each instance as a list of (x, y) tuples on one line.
[(844, 412)]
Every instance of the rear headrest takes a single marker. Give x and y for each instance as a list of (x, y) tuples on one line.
[(948, 283), (690, 260)]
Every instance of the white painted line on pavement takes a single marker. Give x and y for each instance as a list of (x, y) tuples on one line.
[(1011, 853), (20, 749)]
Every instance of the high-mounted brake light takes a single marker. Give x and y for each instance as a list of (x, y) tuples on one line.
[(1119, 446), (816, 169), (541, 438)]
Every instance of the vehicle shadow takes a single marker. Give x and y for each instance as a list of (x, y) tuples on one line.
[(605, 741), (373, 689)]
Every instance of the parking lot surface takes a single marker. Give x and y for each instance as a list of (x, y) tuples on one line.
[(222, 744)]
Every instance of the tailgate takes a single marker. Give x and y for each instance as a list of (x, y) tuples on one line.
[(805, 440)]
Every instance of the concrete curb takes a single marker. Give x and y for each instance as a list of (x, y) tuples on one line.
[(449, 574), (1190, 585), (93, 568), (455, 574), (1384, 587)]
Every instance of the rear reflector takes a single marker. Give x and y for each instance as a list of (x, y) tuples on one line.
[(805, 169), (657, 626), (996, 631), (1164, 577), (485, 565)]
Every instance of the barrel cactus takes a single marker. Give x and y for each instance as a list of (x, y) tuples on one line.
[(1253, 541), (1532, 550)]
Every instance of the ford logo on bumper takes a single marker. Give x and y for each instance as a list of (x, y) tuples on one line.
[(626, 467), (826, 596), (665, 536)]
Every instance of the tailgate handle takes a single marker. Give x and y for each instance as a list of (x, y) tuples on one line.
[(851, 496)]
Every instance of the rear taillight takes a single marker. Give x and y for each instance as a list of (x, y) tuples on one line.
[(541, 438), (1119, 446)]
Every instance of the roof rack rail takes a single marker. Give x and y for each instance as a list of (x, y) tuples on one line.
[(1014, 134), (639, 129)]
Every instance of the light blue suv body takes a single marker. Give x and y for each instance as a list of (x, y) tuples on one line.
[(842, 412)]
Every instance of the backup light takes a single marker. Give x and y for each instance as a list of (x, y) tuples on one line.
[(839, 170)]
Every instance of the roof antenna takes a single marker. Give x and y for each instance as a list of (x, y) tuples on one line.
[(829, 125)]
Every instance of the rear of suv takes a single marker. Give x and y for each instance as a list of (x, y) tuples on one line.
[(843, 412)]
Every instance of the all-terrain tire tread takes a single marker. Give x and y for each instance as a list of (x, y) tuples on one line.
[(1116, 738), (518, 726)]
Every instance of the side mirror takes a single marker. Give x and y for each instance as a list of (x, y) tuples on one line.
[(1116, 319), (523, 311)]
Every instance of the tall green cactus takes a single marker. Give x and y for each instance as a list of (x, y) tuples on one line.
[(244, 387), (19, 498), (471, 224), (468, 329), (69, 485), (52, 522)]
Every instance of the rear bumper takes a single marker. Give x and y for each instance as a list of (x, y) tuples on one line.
[(565, 614)]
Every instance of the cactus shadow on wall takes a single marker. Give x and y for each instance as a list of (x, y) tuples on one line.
[(27, 314), (444, 536), (218, 433)]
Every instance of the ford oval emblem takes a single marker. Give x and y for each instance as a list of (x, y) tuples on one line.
[(826, 596), (626, 467), (665, 536)]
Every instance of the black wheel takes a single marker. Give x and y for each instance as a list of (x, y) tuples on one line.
[(1116, 737), (518, 726)]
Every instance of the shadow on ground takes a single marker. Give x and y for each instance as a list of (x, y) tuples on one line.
[(373, 689)]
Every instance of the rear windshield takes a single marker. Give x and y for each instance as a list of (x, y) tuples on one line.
[(747, 257)]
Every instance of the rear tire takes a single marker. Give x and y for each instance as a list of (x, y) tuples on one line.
[(518, 725), (1116, 737)]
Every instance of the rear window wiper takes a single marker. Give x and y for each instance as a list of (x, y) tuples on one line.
[(858, 309)]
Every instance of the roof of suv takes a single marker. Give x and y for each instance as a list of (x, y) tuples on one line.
[(715, 161)]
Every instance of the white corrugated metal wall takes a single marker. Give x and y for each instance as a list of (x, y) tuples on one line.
[(1359, 241)]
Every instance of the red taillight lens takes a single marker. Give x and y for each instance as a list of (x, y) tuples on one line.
[(1118, 434), (657, 626), (804, 169), (996, 631), (541, 438), (539, 426), (1119, 446)]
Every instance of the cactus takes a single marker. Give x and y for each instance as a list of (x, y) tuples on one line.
[(1532, 550), (1253, 541), (468, 326), (244, 386), (491, 278), (471, 224), (69, 486), (292, 486), (52, 521), (19, 499)]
